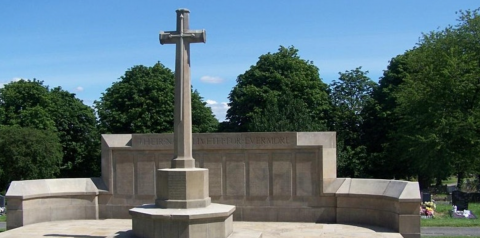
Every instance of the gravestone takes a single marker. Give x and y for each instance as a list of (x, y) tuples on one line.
[(426, 197), (183, 206), (460, 200)]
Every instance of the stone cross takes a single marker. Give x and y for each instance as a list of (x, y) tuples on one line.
[(182, 37)]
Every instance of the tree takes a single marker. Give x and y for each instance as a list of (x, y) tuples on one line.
[(143, 102), (349, 96), (381, 122), (29, 103), (282, 92), (76, 127), (27, 153), (439, 102)]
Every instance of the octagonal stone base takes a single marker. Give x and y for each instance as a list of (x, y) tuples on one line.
[(182, 188), (214, 221)]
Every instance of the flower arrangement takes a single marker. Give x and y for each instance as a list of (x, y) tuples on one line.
[(427, 209)]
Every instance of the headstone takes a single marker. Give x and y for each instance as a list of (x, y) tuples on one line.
[(460, 200), (426, 197), (451, 188)]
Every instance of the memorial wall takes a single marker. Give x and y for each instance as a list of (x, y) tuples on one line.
[(263, 174)]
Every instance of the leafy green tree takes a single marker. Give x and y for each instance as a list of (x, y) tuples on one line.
[(77, 129), (24, 102), (143, 102), (349, 96), (27, 153), (439, 102), (282, 92), (381, 122), (29, 103)]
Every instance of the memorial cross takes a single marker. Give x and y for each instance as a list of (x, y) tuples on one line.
[(182, 131)]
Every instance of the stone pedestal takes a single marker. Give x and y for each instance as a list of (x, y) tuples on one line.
[(182, 208), (214, 221), (182, 188)]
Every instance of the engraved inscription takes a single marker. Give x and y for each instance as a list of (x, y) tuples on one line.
[(215, 177), (146, 177), (177, 186), (235, 178), (235, 140), (304, 174), (282, 175), (258, 175), (124, 173)]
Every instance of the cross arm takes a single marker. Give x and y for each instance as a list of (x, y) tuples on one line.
[(191, 36)]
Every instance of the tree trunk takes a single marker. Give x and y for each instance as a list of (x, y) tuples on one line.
[(460, 177)]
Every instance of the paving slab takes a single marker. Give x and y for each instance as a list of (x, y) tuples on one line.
[(122, 228)]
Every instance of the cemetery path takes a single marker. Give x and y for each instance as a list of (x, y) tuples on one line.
[(450, 231)]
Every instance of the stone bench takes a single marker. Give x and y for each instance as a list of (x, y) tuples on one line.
[(34, 201), (391, 204)]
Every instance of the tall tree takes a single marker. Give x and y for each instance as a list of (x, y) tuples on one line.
[(281, 92), (143, 102), (439, 102), (349, 96), (27, 153), (77, 129), (29, 103), (381, 123)]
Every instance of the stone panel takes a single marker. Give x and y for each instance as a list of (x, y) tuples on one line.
[(145, 172), (235, 174), (213, 162), (258, 174), (164, 160), (124, 179), (282, 174), (305, 172)]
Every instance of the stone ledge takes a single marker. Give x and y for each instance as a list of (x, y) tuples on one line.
[(215, 210), (30, 189)]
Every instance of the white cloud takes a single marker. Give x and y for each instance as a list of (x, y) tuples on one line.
[(79, 89), (219, 109), (16, 79), (211, 79)]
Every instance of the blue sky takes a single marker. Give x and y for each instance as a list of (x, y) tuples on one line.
[(85, 46)]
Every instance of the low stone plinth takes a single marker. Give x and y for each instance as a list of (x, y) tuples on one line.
[(214, 221)]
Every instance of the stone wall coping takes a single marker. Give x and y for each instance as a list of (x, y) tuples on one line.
[(29, 189), (404, 191), (117, 140), (250, 140)]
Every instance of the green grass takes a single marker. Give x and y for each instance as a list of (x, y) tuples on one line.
[(442, 217), (450, 180), (3, 218)]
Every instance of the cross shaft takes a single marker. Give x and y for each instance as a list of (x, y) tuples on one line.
[(182, 38)]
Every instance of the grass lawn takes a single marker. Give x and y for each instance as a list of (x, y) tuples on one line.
[(3, 218), (442, 217)]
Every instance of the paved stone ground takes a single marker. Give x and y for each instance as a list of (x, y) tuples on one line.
[(121, 228), (451, 231)]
